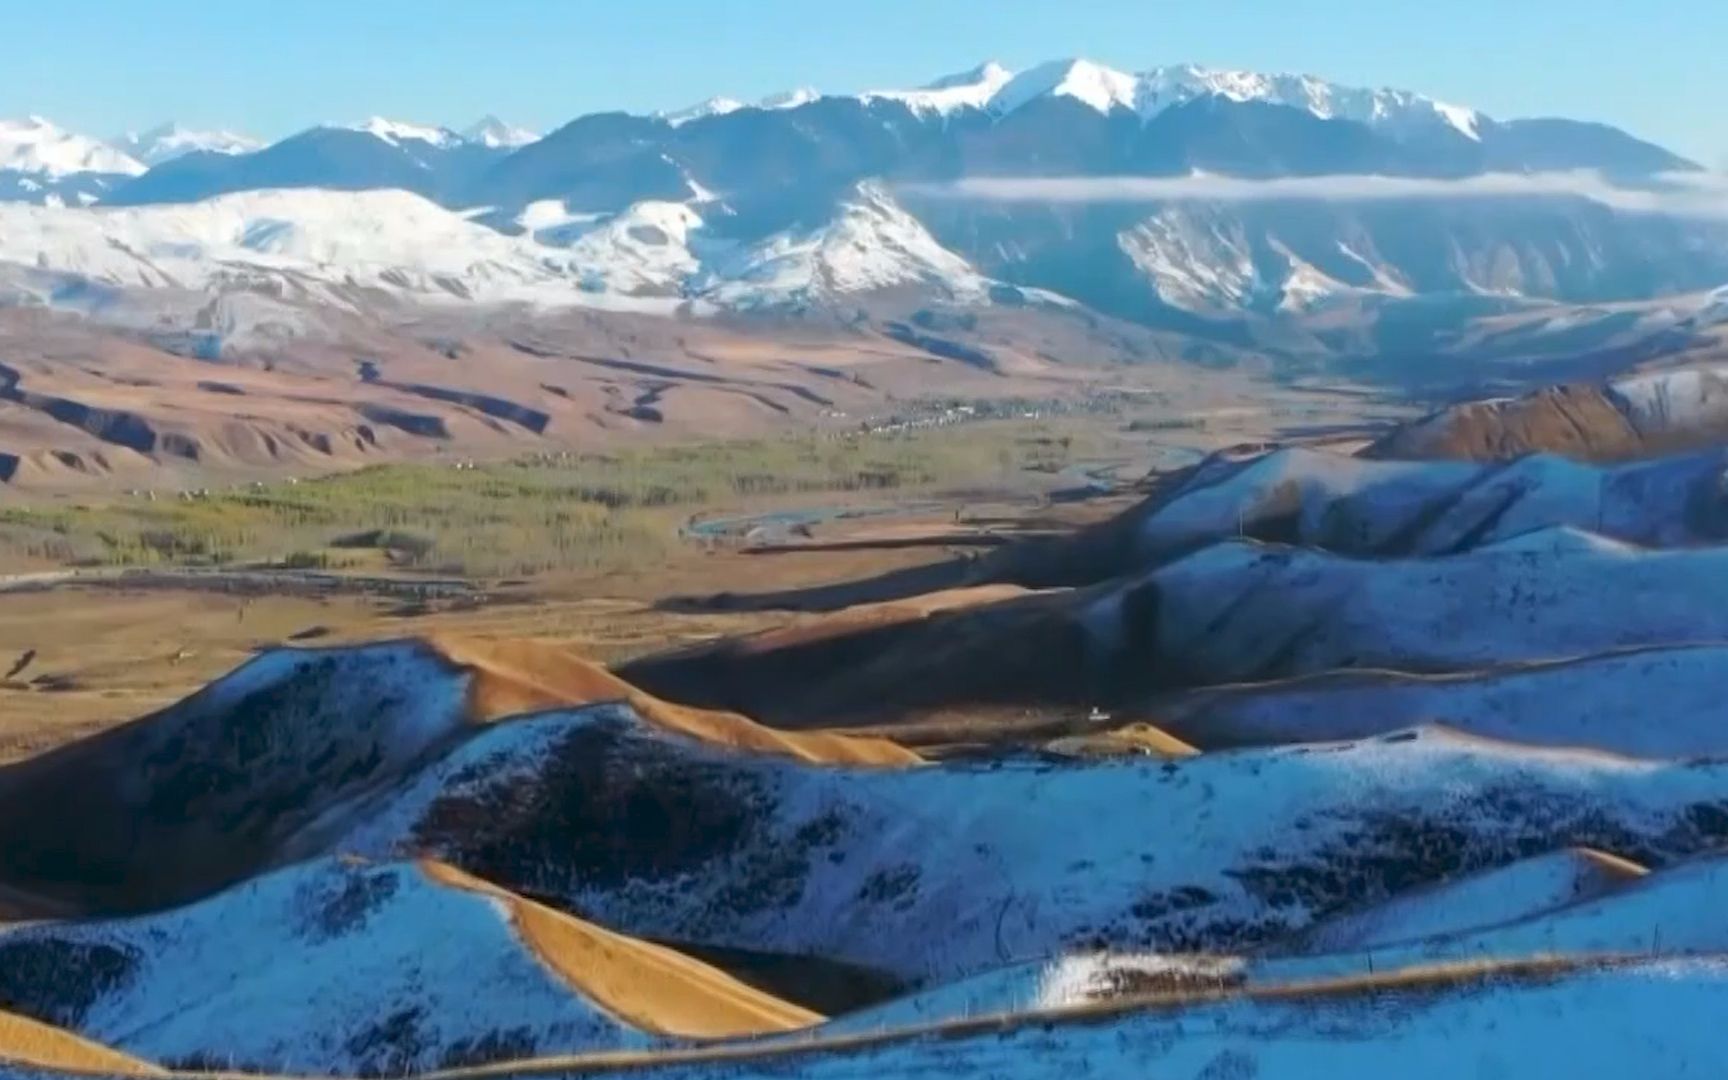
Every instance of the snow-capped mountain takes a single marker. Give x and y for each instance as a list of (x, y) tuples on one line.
[(721, 106), (494, 134), (395, 132), (973, 89), (36, 146), (870, 244), (387, 240), (169, 141), (657, 254), (1150, 92), (376, 154)]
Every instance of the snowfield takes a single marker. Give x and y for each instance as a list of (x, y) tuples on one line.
[(1657, 1018), (34, 145), (327, 967), (938, 872), (1664, 701), (1238, 610), (653, 256)]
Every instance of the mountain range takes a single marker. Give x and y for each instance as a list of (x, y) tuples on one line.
[(807, 201)]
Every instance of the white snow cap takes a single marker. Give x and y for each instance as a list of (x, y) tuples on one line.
[(34, 145), (395, 131), (967, 89), (489, 131), (1151, 92), (992, 86), (165, 142)]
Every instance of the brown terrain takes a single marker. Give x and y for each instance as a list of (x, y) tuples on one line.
[(651, 987), (29, 1043), (82, 406)]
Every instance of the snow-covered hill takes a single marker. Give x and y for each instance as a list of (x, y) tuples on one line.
[(34, 145), (1670, 911), (340, 967), (1603, 701), (870, 244), (1239, 610), (947, 870), (385, 240), (651, 256), (1654, 1018), (1374, 507)]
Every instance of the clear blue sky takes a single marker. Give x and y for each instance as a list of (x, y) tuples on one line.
[(1656, 67)]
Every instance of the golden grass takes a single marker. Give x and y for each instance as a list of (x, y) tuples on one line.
[(646, 985), (28, 1042), (1617, 868), (1137, 738), (513, 677)]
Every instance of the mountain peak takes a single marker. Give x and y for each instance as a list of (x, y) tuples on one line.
[(790, 99), (966, 89), (35, 145), (491, 132), (170, 140), (1150, 92), (1093, 84), (714, 106), (395, 131)]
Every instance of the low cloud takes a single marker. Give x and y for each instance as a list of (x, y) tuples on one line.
[(1697, 195)]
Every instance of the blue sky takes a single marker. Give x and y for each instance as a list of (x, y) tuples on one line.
[(1658, 68)]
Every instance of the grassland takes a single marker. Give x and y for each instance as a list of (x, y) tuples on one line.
[(586, 512)]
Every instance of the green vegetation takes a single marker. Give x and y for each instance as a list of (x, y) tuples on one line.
[(578, 511)]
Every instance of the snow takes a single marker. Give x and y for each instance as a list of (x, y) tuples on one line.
[(714, 106), (1237, 610), (967, 90), (789, 99), (33, 145), (1660, 702), (304, 969), (1061, 982), (1669, 400), (644, 250), (1148, 93), (955, 869), (1528, 888), (395, 132), (391, 241), (870, 244), (653, 256), (1671, 911), (1651, 1019), (495, 134), (720, 106), (1194, 259), (169, 141), (1093, 85), (1368, 507)]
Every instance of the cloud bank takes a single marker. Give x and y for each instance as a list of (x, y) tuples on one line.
[(1695, 195)]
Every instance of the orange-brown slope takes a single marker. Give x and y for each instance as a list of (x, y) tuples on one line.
[(511, 677), (649, 986), (1023, 652), (27, 1042), (1578, 421)]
